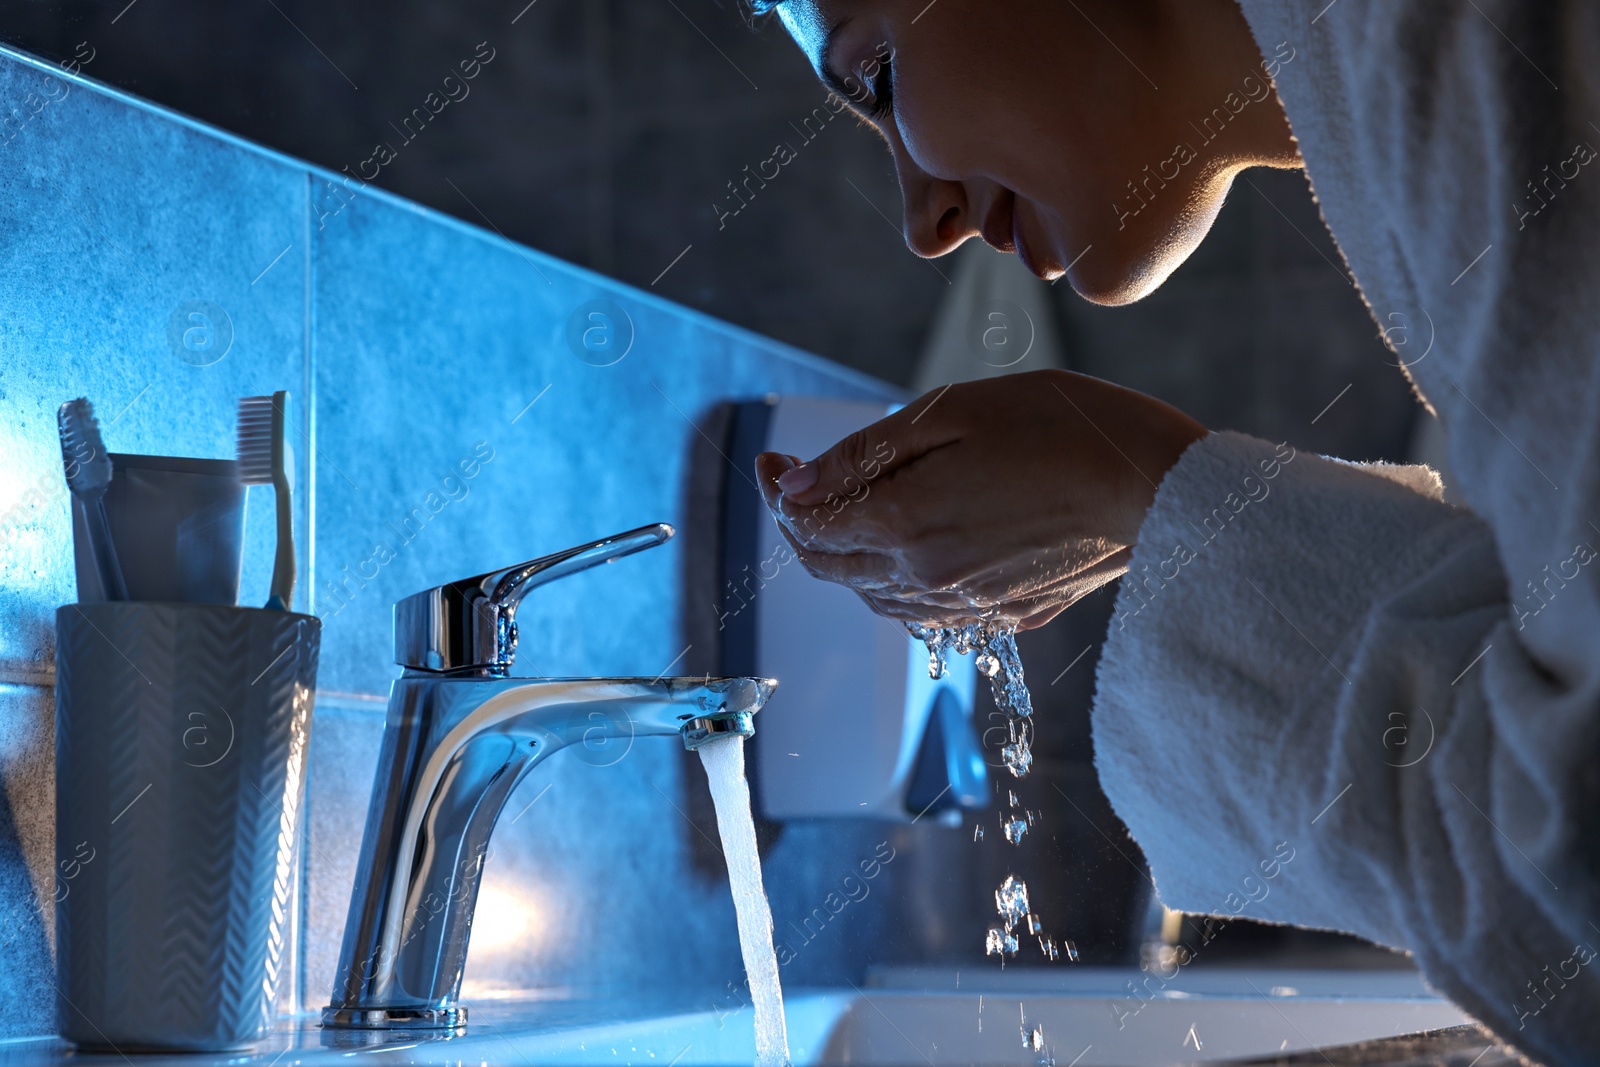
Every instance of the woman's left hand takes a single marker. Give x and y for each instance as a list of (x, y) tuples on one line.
[(1012, 497)]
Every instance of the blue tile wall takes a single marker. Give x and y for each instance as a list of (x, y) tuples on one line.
[(113, 218), (27, 855), (445, 424)]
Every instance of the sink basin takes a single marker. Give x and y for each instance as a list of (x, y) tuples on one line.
[(1082, 1028), (1207, 1018), (909, 1018)]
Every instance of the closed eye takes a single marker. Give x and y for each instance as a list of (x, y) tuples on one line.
[(883, 91)]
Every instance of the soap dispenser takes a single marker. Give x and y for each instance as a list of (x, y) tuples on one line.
[(857, 728)]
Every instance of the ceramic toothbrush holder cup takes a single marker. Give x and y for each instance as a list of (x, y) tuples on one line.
[(181, 734)]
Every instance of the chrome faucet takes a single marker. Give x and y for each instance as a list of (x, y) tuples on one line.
[(461, 734)]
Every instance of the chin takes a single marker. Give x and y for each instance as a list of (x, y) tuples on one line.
[(1139, 259), (1112, 284)]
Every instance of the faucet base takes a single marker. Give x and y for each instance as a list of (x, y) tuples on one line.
[(394, 1018)]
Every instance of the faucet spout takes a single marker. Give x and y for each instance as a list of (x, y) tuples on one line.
[(454, 748)]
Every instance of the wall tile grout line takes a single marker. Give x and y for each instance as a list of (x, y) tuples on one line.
[(302, 932), (29, 677), (309, 365)]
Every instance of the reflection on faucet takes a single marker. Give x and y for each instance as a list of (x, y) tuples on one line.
[(460, 737)]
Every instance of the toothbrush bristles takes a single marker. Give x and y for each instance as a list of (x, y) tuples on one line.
[(83, 453), (255, 440)]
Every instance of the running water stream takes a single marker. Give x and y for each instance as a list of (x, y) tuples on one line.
[(995, 642), (724, 763)]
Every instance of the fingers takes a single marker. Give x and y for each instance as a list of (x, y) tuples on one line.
[(1031, 609), (837, 524), (918, 614), (1113, 566), (866, 455), (858, 570), (769, 467), (1084, 583), (879, 580), (1039, 618)]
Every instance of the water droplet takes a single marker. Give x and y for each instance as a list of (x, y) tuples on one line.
[(1018, 757), (999, 942), (1011, 899), (998, 661)]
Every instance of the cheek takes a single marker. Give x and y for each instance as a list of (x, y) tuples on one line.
[(981, 119), (930, 130), (1011, 87), (958, 89)]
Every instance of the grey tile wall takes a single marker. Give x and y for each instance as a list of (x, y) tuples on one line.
[(603, 131), (413, 345), (1260, 331)]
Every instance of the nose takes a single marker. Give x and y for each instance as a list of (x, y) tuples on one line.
[(939, 215)]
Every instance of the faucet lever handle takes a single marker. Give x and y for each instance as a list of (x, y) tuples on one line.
[(472, 623)]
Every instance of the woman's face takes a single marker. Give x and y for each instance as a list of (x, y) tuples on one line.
[(1093, 138)]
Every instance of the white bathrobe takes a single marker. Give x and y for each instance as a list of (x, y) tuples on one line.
[(1322, 660)]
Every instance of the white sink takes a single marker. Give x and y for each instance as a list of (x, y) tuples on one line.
[(901, 1020), (1086, 1018), (1200, 1018)]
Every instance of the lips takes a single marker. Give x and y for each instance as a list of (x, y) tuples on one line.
[(1002, 231), (999, 223)]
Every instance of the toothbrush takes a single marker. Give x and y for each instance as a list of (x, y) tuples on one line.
[(264, 460), (88, 470)]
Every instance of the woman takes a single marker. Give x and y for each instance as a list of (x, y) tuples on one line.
[(1308, 654)]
